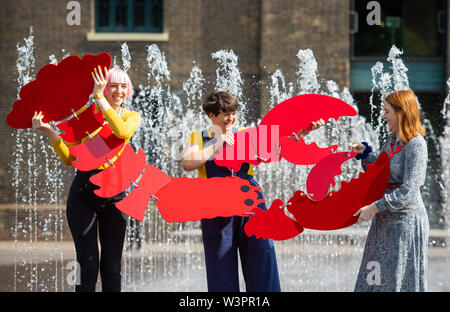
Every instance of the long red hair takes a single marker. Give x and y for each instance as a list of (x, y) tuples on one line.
[(405, 106)]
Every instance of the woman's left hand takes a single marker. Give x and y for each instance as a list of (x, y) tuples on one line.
[(366, 213), (100, 80)]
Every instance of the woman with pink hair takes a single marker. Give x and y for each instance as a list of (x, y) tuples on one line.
[(86, 212)]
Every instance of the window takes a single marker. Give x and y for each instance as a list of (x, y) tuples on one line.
[(417, 27), (128, 16)]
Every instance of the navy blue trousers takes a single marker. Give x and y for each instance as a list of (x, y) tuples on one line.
[(224, 237)]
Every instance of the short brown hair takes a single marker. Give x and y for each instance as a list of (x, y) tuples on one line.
[(405, 106), (219, 101)]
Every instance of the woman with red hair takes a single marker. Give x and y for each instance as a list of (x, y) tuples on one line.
[(396, 251)]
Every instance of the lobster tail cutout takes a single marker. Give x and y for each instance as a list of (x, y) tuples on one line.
[(72, 77)]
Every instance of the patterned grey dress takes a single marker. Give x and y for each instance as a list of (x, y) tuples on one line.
[(396, 251)]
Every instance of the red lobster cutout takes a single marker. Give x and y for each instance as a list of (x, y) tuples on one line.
[(71, 77), (334, 212), (337, 209)]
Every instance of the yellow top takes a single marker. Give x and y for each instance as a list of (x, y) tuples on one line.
[(196, 139), (122, 128)]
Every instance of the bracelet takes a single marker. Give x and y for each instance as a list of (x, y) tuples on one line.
[(98, 96), (366, 153)]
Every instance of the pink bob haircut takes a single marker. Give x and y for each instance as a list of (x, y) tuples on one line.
[(117, 75)]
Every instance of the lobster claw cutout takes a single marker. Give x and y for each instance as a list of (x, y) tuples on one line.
[(187, 199), (93, 153), (298, 113), (117, 178), (72, 76), (252, 145), (78, 127), (337, 209), (272, 223), (135, 204), (299, 153), (321, 176)]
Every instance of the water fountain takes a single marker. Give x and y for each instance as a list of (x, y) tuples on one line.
[(171, 255)]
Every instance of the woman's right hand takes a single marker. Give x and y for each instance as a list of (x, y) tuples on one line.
[(357, 147), (38, 124)]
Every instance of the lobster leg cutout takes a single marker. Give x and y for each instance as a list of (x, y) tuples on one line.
[(321, 176), (72, 76), (337, 209), (298, 113), (93, 153), (300, 153), (252, 145), (135, 204), (187, 199), (273, 223), (85, 123), (117, 178)]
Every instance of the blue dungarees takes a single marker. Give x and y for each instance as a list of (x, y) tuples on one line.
[(222, 236)]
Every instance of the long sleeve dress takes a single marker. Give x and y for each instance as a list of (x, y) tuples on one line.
[(396, 251)]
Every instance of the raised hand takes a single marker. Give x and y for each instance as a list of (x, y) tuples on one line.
[(100, 80)]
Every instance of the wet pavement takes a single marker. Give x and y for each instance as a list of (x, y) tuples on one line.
[(303, 266)]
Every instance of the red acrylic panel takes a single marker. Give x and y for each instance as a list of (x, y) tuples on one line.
[(117, 178), (300, 153), (337, 209), (187, 199), (91, 154), (273, 223), (251, 145), (57, 90), (321, 176), (77, 128)]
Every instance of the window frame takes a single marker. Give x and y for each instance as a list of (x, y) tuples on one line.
[(130, 28)]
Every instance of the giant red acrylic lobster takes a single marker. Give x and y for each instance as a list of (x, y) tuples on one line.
[(186, 199)]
